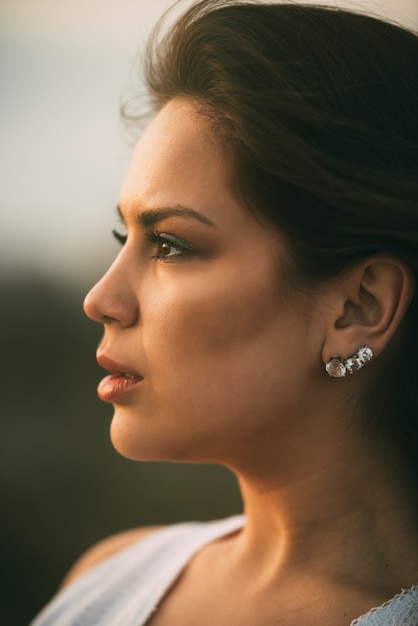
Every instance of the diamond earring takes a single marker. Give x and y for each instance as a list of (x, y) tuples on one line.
[(337, 367)]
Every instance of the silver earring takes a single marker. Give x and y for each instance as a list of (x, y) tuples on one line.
[(337, 367)]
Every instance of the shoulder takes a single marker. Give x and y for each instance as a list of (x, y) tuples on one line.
[(106, 548)]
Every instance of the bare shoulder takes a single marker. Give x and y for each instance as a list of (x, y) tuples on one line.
[(106, 548)]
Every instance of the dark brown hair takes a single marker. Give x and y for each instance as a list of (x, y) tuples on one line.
[(318, 110)]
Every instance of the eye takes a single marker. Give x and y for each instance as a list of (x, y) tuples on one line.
[(168, 246), (119, 237), (167, 249)]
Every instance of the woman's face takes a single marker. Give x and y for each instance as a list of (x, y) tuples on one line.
[(203, 338)]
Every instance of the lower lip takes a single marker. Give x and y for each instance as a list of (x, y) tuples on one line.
[(114, 387)]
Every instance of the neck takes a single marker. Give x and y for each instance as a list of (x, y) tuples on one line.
[(333, 513)]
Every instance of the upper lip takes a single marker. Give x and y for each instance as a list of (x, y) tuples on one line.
[(115, 367)]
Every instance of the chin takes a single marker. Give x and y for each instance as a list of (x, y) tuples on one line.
[(141, 441), (131, 445), (145, 444)]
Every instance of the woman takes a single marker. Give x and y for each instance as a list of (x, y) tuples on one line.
[(261, 314)]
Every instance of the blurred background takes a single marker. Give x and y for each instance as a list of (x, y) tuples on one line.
[(65, 68)]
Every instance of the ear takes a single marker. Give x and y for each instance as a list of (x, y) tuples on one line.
[(368, 304)]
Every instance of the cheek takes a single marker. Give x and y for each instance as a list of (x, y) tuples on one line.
[(209, 319), (215, 341)]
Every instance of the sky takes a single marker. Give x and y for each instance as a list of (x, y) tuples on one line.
[(65, 68)]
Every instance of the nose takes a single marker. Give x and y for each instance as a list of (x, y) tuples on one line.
[(113, 298)]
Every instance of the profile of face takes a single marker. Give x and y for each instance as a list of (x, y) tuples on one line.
[(203, 337)]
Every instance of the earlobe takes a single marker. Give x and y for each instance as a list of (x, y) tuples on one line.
[(370, 302)]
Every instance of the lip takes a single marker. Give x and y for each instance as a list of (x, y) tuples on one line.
[(115, 367), (121, 381)]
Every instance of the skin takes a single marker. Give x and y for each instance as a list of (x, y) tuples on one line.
[(232, 357), (212, 331)]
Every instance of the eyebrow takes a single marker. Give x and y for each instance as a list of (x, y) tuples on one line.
[(153, 216)]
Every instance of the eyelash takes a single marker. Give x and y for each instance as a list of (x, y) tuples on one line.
[(119, 237), (157, 239)]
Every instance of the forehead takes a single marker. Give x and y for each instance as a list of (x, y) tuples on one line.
[(175, 155)]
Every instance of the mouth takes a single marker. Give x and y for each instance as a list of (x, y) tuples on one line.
[(119, 383)]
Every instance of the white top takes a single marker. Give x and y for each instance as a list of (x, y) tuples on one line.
[(125, 589)]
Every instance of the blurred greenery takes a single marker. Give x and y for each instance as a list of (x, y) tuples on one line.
[(63, 486)]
